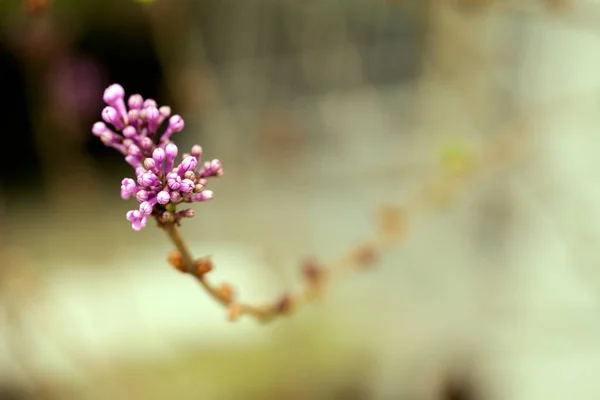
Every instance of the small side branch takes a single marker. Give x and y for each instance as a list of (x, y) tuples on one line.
[(441, 190), (316, 277)]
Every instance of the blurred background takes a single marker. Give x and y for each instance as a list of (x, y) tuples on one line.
[(321, 111)]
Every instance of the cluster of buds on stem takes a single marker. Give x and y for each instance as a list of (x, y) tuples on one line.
[(161, 183)]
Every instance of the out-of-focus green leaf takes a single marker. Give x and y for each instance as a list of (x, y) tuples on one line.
[(456, 156)]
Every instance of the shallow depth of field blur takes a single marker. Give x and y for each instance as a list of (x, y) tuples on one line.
[(321, 112)]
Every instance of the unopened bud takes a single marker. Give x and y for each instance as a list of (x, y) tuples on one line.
[(176, 260), (196, 151), (234, 312), (312, 271), (189, 175), (366, 255), (203, 266), (226, 292), (187, 213), (392, 221)]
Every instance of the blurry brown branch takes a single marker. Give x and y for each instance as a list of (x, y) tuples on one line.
[(442, 189), (316, 276)]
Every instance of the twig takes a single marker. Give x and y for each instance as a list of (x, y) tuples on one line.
[(442, 188), (184, 261)]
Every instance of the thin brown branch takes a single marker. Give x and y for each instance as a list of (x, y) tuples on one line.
[(443, 188), (188, 264), (184, 261)]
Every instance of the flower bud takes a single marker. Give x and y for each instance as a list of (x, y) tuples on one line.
[(203, 265), (176, 260), (135, 102)]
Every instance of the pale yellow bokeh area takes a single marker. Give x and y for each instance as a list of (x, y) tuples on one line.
[(462, 141)]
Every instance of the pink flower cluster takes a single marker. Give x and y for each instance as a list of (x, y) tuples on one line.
[(160, 183)]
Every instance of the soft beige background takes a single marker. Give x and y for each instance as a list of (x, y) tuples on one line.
[(501, 282)]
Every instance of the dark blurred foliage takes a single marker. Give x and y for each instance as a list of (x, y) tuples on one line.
[(36, 48), (131, 60), (132, 42), (18, 162), (459, 386)]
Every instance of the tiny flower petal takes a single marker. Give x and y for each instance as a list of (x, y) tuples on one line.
[(145, 208), (142, 195), (216, 164), (171, 150), (165, 112), (206, 195), (150, 165), (133, 117), (170, 154), (148, 179), (163, 197), (135, 151), (113, 96), (159, 155), (146, 143), (174, 181), (196, 151), (111, 116), (108, 138), (152, 116), (150, 103), (175, 197), (188, 164), (134, 161), (211, 168), (187, 186), (130, 132), (176, 124), (140, 224), (130, 216), (128, 188), (187, 213), (135, 102), (113, 93), (99, 128)]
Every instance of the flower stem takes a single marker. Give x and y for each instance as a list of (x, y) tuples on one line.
[(261, 313), (173, 233)]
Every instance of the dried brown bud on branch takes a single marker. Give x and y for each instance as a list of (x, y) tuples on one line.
[(234, 311), (284, 304), (203, 266), (392, 221), (226, 292), (176, 260), (312, 271), (366, 255)]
